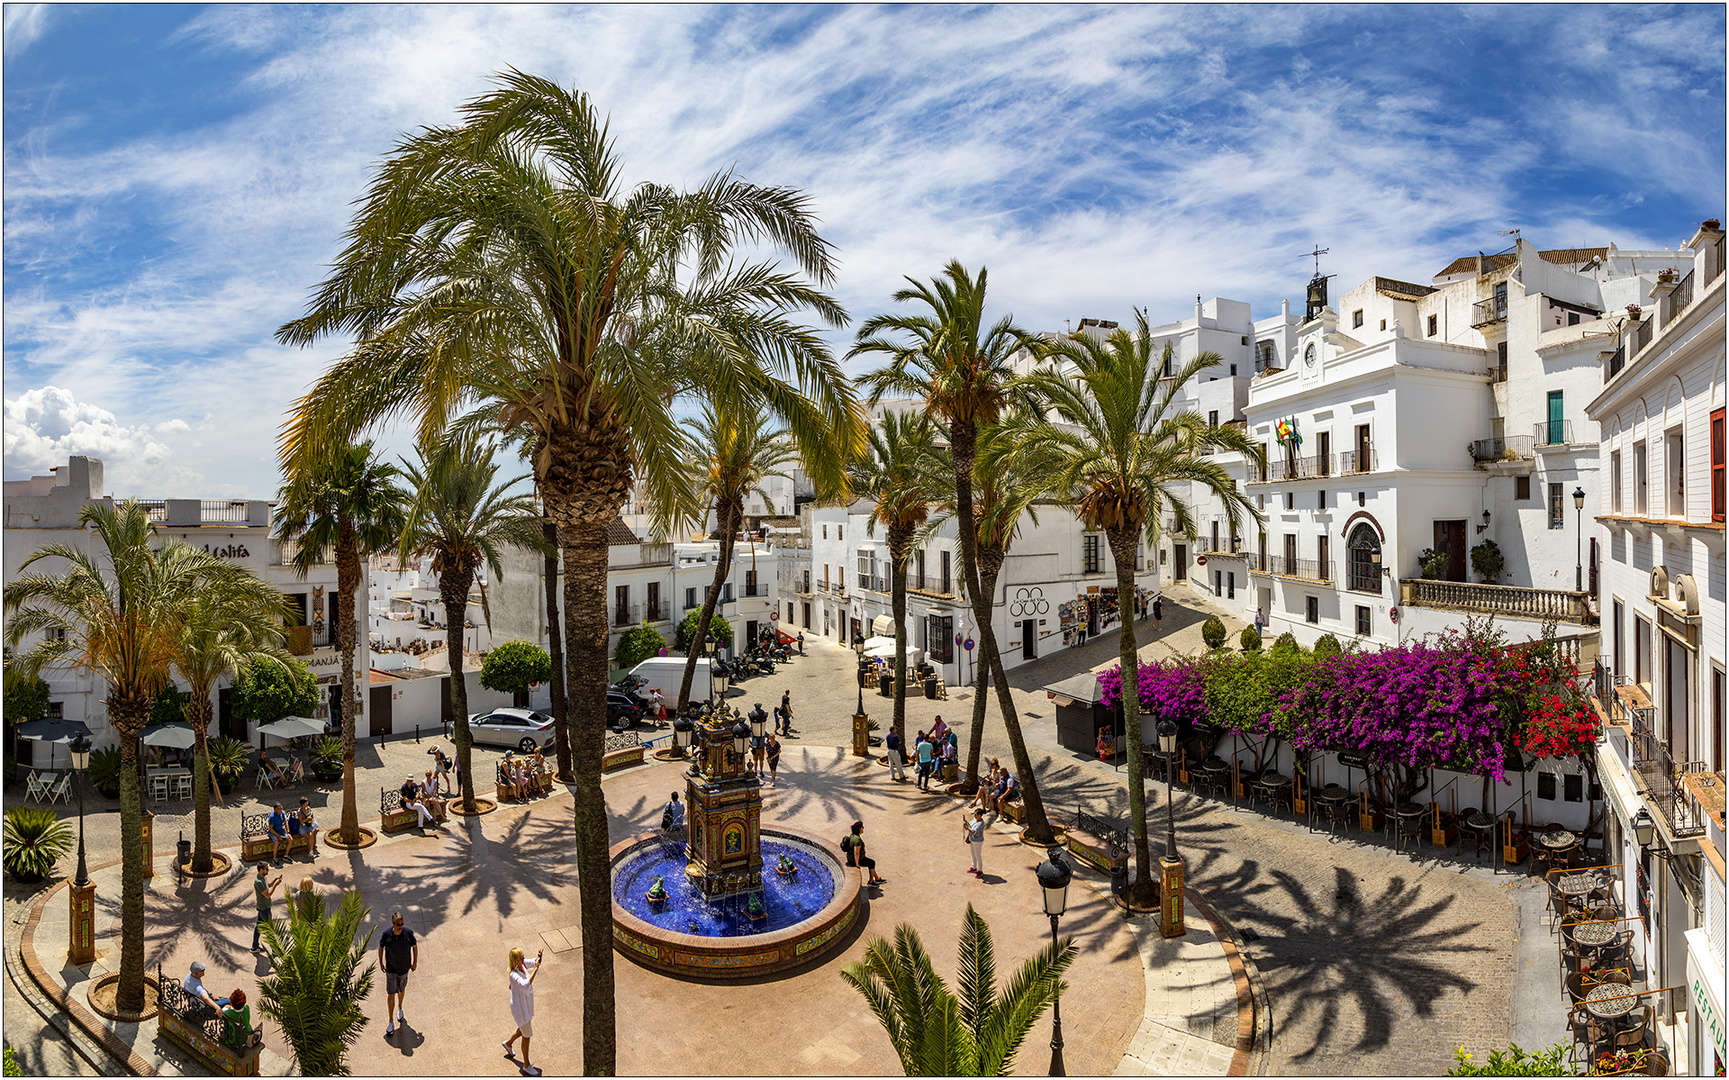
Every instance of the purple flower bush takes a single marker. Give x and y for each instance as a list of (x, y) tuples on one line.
[(1174, 689)]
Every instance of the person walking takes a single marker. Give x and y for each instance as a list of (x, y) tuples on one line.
[(522, 976), (975, 834), (262, 890), (854, 846), (893, 743), (759, 751), (1158, 613), (1260, 623), (773, 759), (398, 954), (927, 758), (672, 815), (786, 709), (801, 642), (659, 708)]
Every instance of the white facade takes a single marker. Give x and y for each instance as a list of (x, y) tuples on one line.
[(406, 614), (45, 509)]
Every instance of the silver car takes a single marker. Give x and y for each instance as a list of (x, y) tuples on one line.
[(517, 729)]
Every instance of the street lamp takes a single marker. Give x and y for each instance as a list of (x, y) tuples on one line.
[(758, 721), (741, 738), (1168, 745), (683, 729), (858, 651), (1054, 875), (80, 761), (1578, 539)]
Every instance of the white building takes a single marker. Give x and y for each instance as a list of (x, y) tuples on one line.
[(406, 612), (1659, 409), (45, 509)]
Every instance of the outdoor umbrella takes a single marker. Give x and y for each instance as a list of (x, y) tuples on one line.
[(291, 727), (878, 643), (52, 730), (175, 735)]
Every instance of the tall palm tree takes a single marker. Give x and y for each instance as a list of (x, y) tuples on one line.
[(735, 452), (227, 625), (1114, 444), (938, 1033), (903, 475), (346, 504), (462, 518), (120, 624), (962, 372), (501, 261)]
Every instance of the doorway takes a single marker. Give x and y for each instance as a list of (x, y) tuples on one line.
[(1675, 697), (1029, 639), (1180, 556), (1450, 541)]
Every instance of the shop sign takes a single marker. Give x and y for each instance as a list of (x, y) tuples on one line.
[(1709, 1017)]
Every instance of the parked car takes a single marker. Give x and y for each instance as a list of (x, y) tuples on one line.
[(624, 709), (518, 729)]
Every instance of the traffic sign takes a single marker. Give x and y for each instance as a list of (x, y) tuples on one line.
[(1393, 614), (1201, 561), (774, 616), (661, 653), (969, 644), (959, 639)]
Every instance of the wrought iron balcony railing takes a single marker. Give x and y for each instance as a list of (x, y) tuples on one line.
[(1507, 448), (1488, 312), (1660, 774), (1554, 432)]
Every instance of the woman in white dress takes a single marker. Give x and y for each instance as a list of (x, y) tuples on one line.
[(522, 974)]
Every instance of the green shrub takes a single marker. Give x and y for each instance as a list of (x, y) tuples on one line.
[(1328, 645), (12, 1068), (105, 771), (228, 759), (1249, 639), (326, 758), (1487, 560), (265, 691), (1514, 1062), (35, 841), (1286, 643), (1432, 564), (515, 666), (1213, 632), (641, 642), (26, 699), (170, 705), (718, 630)]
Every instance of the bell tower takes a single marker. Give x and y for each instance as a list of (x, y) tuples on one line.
[(1317, 298)]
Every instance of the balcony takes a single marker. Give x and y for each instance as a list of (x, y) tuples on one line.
[(755, 590), (1509, 448), (1617, 361), (1554, 432), (626, 614), (1359, 461), (1511, 601), (655, 612), (1297, 468), (1661, 778), (1303, 569), (1488, 312)]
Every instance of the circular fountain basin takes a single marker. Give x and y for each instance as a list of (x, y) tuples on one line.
[(808, 914)]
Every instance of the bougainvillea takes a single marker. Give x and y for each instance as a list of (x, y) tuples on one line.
[(1561, 727), (1173, 689)]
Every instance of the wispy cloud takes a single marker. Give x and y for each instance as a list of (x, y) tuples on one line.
[(1094, 157)]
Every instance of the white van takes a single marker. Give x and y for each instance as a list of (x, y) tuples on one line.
[(667, 672)]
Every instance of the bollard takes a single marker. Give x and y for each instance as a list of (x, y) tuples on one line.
[(81, 945), (417, 734)]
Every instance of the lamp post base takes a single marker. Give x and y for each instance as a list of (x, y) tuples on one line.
[(81, 948), (1171, 897), (860, 734)]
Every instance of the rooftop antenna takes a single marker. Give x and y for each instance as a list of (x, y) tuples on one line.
[(1317, 253), (1508, 232)]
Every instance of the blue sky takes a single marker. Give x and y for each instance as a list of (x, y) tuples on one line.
[(177, 178)]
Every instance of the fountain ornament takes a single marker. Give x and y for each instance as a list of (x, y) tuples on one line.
[(710, 910)]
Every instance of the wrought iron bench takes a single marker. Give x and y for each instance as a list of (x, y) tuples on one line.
[(393, 816), (256, 843), (1098, 843), (194, 1027), (621, 750)]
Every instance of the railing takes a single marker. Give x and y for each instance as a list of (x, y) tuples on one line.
[(1642, 335), (654, 613), (755, 590), (155, 509), (1306, 569), (1359, 461), (621, 741), (1509, 600), (1498, 371), (1507, 448), (1661, 775), (1717, 262), (1112, 837), (627, 615), (1616, 363), (1554, 432), (1680, 299), (1487, 312), (172, 998)]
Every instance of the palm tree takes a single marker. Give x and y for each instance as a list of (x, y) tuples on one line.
[(736, 452), (227, 625), (962, 373), (316, 990), (348, 504), (121, 625), (501, 262), (937, 1033), (461, 518), (1114, 444), (903, 475)]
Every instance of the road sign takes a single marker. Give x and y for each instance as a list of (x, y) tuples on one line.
[(959, 639), (774, 616), (1201, 561), (661, 653), (969, 644), (1393, 614)]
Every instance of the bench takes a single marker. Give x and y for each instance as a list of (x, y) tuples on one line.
[(620, 750), (1013, 810), (256, 843), (1097, 843), (194, 1028)]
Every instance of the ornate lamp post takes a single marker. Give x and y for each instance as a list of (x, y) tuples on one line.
[(682, 731), (741, 739), (80, 761), (81, 949), (1170, 864), (758, 721), (1054, 875), (1578, 539), (860, 721)]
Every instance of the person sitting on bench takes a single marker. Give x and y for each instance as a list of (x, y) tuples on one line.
[(302, 823), (193, 984), (277, 826), (411, 801), (506, 779), (237, 1022)]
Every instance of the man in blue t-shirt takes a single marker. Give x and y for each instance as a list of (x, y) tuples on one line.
[(927, 753), (277, 826)]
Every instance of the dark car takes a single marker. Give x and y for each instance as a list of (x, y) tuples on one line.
[(624, 709)]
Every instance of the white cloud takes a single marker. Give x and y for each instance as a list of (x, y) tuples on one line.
[(24, 23), (169, 426)]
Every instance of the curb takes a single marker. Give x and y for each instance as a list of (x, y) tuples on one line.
[(52, 1016), (1254, 1014)]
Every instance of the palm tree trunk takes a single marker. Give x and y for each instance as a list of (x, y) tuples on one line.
[(129, 713), (347, 580), (963, 447), (453, 589), (1122, 542), (726, 523), (585, 615), (555, 647), (969, 784), (899, 549), (198, 715)]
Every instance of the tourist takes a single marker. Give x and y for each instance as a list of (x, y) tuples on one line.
[(1260, 622), (982, 798), (305, 905), (786, 708), (411, 801), (268, 767), (398, 954), (302, 823), (236, 1021), (672, 814), (441, 765), (939, 730), (801, 642), (261, 893), (758, 748), (1158, 613), (193, 984), (893, 743), (280, 844), (854, 846), (659, 707), (522, 975), (773, 759), (975, 833), (1007, 790), (951, 759), (927, 758)]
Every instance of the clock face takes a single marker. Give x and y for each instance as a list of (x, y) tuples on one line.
[(1309, 355)]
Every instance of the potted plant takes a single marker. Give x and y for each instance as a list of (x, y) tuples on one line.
[(105, 771), (35, 841), (326, 758), (1432, 564), (1213, 632), (228, 759), (1487, 560)]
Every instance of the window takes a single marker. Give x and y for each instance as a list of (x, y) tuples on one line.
[(690, 593), (56, 633), (1522, 489), (1500, 361), (1364, 624), (919, 567), (1321, 499), (1313, 614), (1356, 318), (1230, 586), (1641, 651), (1546, 790), (1360, 499), (1554, 431), (940, 638), (1263, 463), (1717, 705), (806, 585), (726, 589), (1290, 500), (840, 571), (945, 571), (1362, 553), (867, 569), (1213, 418), (653, 612), (840, 532), (1641, 479), (1619, 623), (1615, 482), (1233, 366), (1717, 452), (621, 604), (1573, 788), (1674, 475), (750, 583), (1090, 554), (1557, 506), (1432, 325), (825, 577), (1323, 560), (1572, 318), (1501, 300), (825, 531), (57, 709)]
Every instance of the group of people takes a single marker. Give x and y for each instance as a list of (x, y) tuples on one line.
[(765, 753), (235, 1013), (284, 827), (935, 752), (421, 796), (997, 787), (525, 776)]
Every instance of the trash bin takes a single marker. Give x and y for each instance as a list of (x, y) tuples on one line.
[(1120, 879), (886, 685), (931, 687)]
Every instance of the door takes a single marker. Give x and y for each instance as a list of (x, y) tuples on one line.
[(1218, 583), (225, 722), (1029, 639), (1450, 540), (1180, 555), (380, 712), (1290, 553), (1231, 586), (1554, 433), (1362, 447), (1323, 453), (805, 611), (1675, 697), (750, 635), (445, 717)]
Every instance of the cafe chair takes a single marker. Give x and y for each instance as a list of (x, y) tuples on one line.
[(60, 790)]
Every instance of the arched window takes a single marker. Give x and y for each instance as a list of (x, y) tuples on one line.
[(1365, 551)]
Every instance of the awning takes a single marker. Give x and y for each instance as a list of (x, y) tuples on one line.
[(888, 653), (883, 624), (1083, 687), (873, 643)]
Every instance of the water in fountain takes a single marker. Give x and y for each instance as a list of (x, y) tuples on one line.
[(787, 900)]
